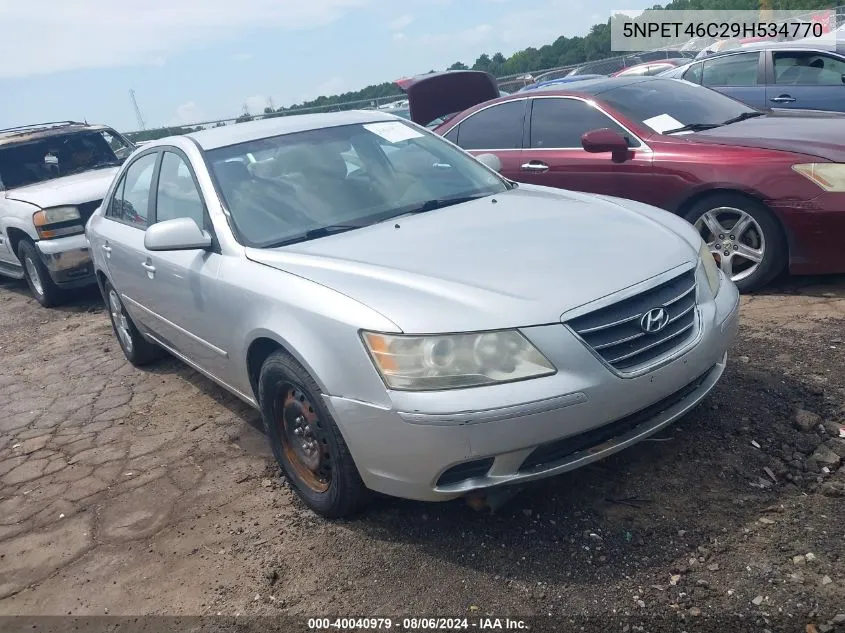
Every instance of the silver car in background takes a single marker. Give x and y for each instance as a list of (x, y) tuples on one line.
[(406, 320)]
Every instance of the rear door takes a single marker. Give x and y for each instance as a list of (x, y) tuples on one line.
[(121, 235), (553, 155), (810, 80), (738, 75), (497, 129)]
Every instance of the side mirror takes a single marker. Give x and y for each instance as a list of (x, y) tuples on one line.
[(606, 140), (180, 234), (491, 160)]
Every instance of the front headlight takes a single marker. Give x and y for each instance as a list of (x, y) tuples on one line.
[(828, 176), (710, 268), (57, 222), (452, 361)]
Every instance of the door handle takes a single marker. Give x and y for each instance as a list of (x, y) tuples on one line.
[(535, 165), (783, 99), (106, 248), (148, 267)]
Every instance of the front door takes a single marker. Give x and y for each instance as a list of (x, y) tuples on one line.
[(121, 236), (180, 287), (809, 80), (554, 156)]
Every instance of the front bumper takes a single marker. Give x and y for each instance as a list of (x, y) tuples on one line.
[(438, 446), (68, 260)]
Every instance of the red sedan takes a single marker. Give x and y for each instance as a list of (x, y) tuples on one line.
[(766, 191)]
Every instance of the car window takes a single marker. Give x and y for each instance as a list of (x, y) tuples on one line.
[(731, 70), (560, 123), (693, 73), (178, 196), (130, 202), (497, 127), (342, 178), (806, 68), (57, 155), (452, 135)]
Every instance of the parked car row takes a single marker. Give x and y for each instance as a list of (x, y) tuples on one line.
[(414, 321)]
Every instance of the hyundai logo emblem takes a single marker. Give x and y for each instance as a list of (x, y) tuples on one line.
[(654, 320)]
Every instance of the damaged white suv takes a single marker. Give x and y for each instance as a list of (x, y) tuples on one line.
[(52, 178)]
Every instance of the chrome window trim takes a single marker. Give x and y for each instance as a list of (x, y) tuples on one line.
[(641, 147)]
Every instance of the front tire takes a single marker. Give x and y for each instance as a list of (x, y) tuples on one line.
[(306, 440), (745, 238), (41, 285), (137, 350)]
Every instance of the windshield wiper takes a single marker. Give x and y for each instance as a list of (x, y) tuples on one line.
[(744, 116), (694, 127), (312, 234), (440, 203)]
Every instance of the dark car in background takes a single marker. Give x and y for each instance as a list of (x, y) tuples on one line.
[(773, 76), (765, 190)]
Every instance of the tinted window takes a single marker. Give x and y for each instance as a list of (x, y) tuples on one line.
[(178, 196), (131, 198), (686, 103), (344, 177), (731, 70), (693, 74), (808, 69), (498, 127), (453, 135), (562, 123)]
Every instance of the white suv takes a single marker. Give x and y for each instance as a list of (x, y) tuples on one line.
[(52, 178)]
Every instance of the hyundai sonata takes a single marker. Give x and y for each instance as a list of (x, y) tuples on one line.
[(407, 320)]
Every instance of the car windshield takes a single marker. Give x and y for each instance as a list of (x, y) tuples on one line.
[(685, 104), (41, 159), (342, 178)]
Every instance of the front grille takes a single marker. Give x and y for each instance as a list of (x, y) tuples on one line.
[(86, 209), (570, 446), (616, 333)]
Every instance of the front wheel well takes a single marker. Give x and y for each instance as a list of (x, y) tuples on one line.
[(258, 352), (15, 237)]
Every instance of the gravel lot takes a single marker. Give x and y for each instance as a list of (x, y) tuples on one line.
[(153, 492)]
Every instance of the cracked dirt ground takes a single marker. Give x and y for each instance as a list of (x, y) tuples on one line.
[(153, 492)]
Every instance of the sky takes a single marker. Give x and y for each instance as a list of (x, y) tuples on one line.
[(195, 60)]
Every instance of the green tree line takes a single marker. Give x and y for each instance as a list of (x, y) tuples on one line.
[(564, 51)]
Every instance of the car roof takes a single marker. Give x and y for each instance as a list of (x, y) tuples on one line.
[(25, 133), (235, 133), (595, 86)]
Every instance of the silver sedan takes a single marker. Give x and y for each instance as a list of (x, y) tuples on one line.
[(406, 320)]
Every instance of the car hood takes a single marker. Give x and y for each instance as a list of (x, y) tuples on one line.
[(440, 94), (814, 134), (75, 189), (520, 258)]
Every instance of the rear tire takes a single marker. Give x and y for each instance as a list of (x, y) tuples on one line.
[(41, 285), (752, 256), (306, 440), (137, 350)]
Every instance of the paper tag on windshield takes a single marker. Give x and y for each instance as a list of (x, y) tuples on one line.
[(663, 123), (392, 131)]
